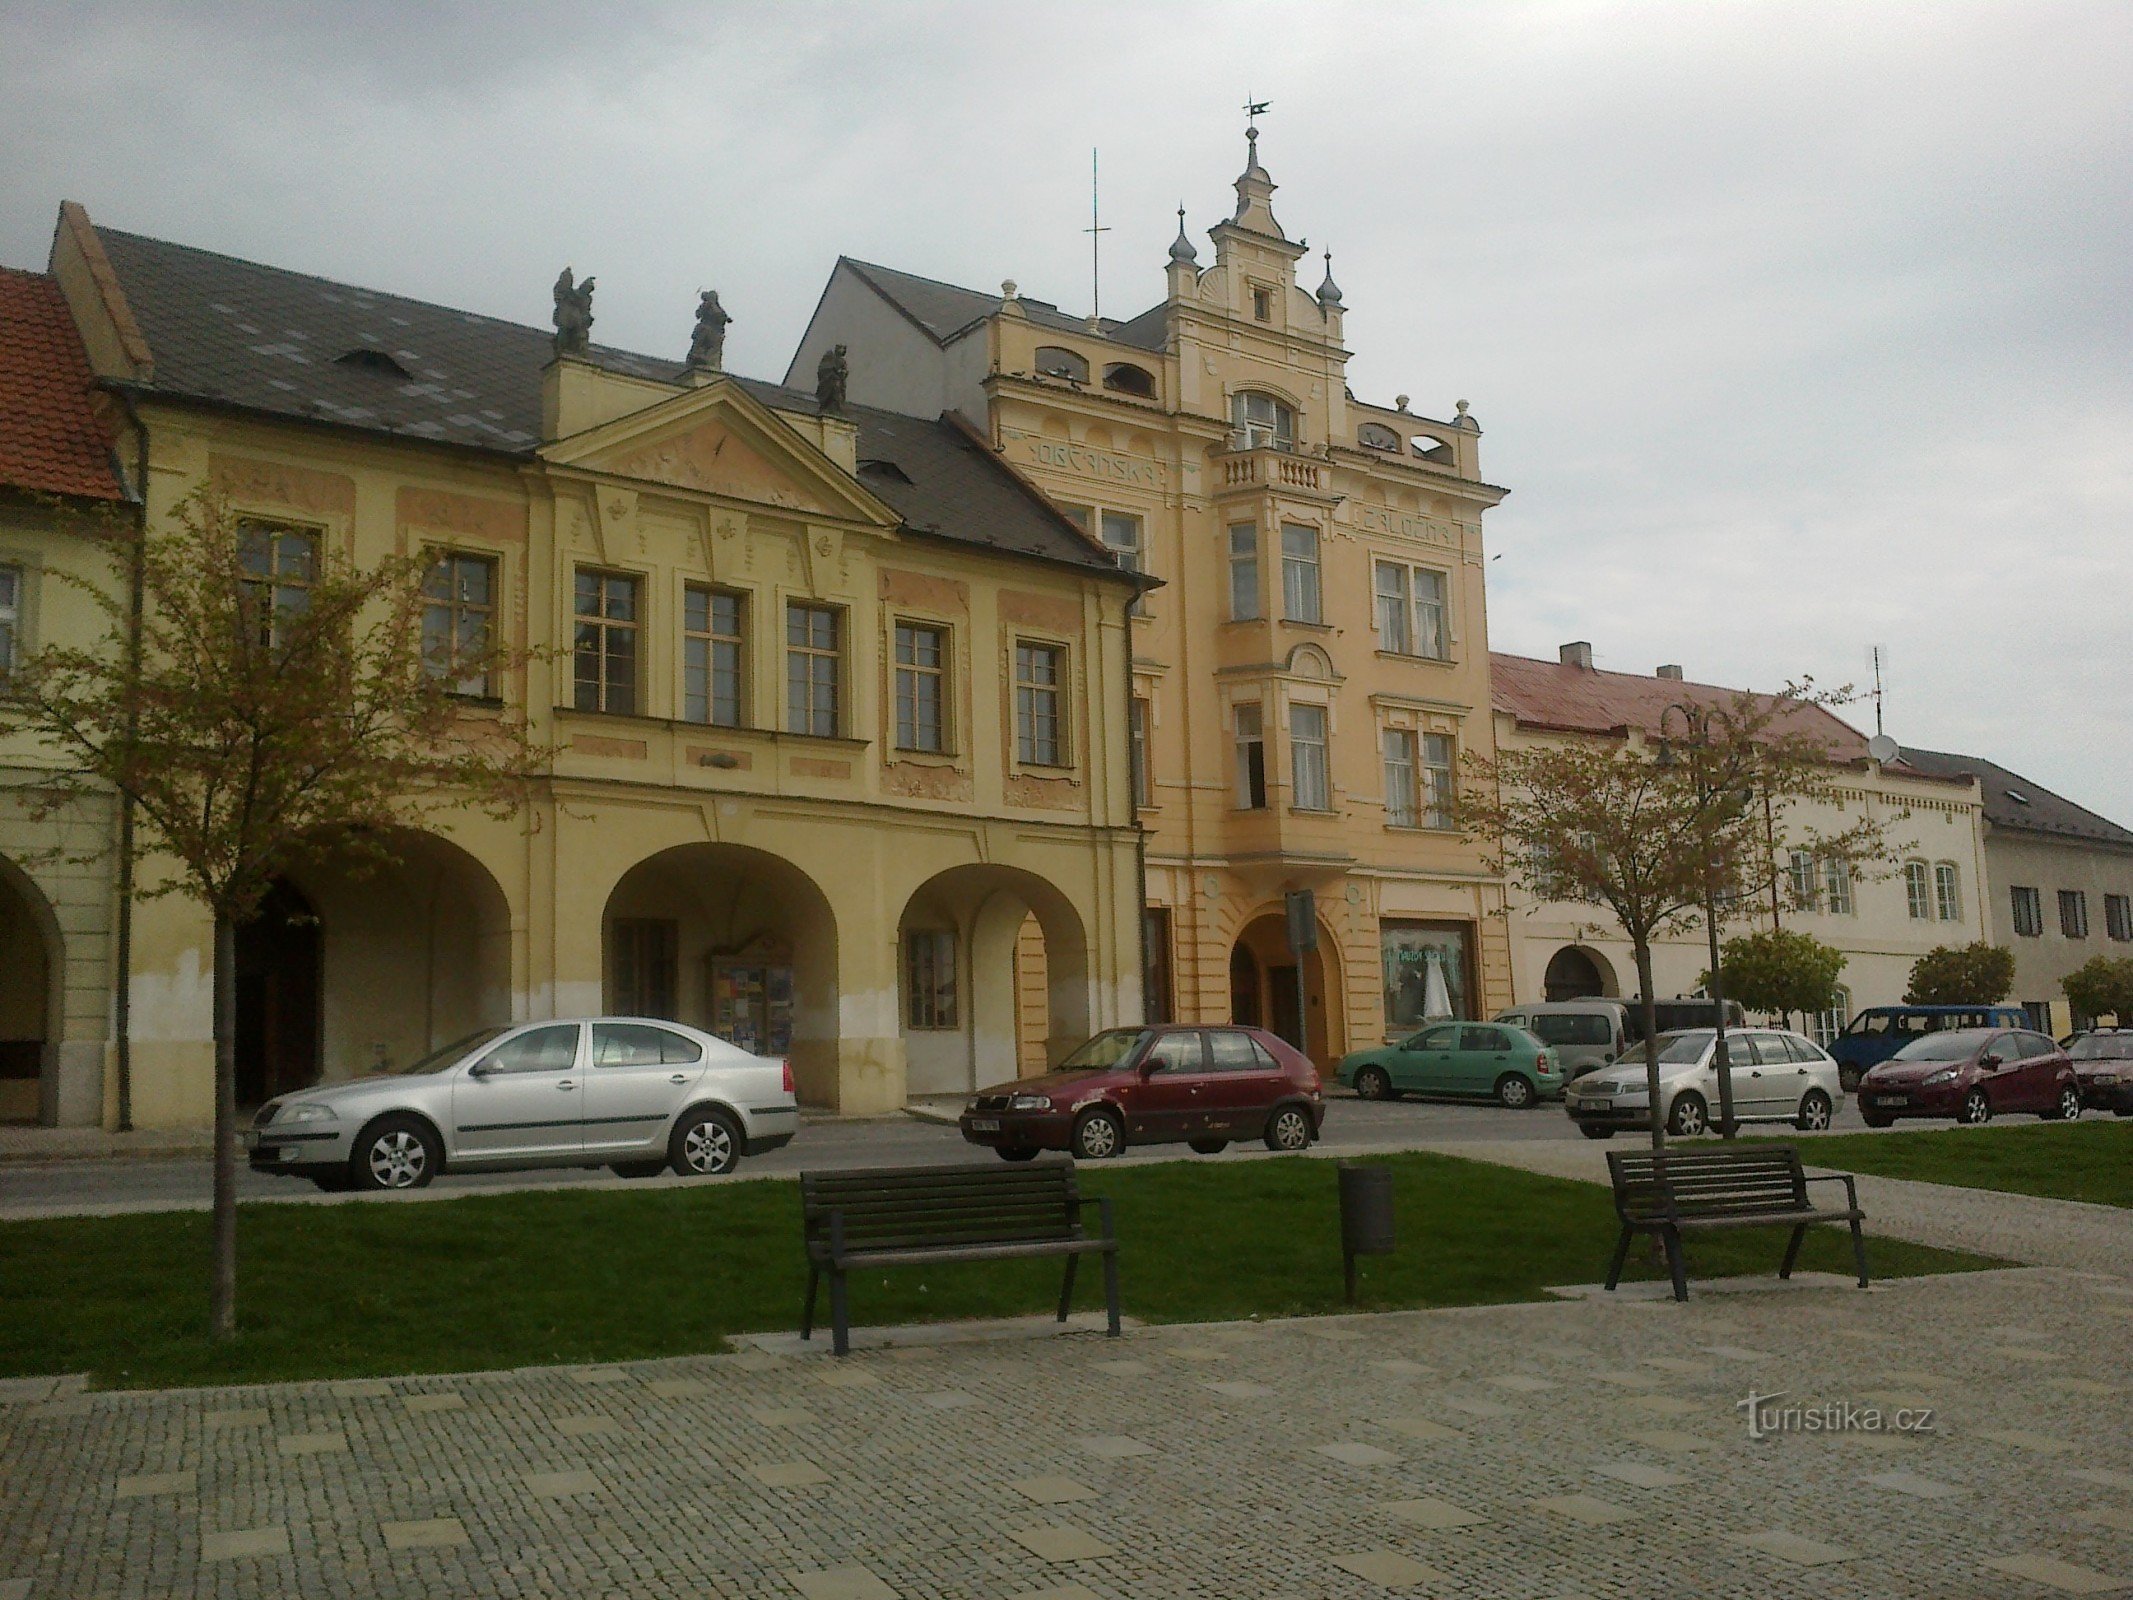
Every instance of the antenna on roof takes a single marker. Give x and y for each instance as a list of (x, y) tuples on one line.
[(1881, 747), (1096, 231), (1876, 657)]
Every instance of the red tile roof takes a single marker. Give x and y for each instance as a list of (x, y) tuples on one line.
[(51, 439), (1549, 695)]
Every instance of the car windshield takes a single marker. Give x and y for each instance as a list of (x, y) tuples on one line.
[(2102, 1047), (438, 1060), (1680, 1047), (1939, 1047), (1107, 1049)]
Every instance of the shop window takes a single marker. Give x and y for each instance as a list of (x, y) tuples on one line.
[(1425, 970), (929, 978)]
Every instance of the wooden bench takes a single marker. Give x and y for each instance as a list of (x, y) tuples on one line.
[(1733, 1186), (915, 1216)]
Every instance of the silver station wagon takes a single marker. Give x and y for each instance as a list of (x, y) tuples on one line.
[(635, 1094)]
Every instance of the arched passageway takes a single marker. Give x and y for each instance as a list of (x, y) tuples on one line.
[(32, 965), (993, 967), (1575, 973), (736, 941), (1295, 996)]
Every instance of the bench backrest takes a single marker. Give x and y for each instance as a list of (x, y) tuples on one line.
[(1707, 1183), (887, 1208)]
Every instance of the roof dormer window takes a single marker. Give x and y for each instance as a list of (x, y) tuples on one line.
[(375, 362)]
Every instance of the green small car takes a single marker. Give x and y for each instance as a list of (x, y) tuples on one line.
[(1489, 1059)]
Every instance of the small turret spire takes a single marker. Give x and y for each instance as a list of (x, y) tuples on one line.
[(1329, 292), (1181, 248)]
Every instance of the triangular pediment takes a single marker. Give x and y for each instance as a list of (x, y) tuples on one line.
[(719, 440)]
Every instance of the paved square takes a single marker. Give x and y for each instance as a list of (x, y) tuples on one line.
[(435, 1533), (1060, 1542), (1585, 1508), (1242, 1391), (144, 1484), (561, 1485), (1388, 1569), (310, 1444), (1914, 1485), (420, 1404), (1053, 1491), (678, 1388), (236, 1544), (786, 1474), (1794, 1548), (1642, 1476), (1112, 1447), (2053, 1573), (841, 1583), (1430, 1513), (1355, 1454)]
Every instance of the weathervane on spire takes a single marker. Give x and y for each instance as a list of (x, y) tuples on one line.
[(1253, 110)]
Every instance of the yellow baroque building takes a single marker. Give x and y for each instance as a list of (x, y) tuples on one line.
[(833, 693), (1315, 664)]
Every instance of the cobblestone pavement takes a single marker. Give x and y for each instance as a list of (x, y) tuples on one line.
[(1575, 1448)]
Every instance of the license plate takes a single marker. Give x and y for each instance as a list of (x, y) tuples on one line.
[(984, 1124), (1596, 1105), (1892, 1099), (288, 1152)]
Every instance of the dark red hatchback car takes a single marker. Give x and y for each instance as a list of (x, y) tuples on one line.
[(1971, 1074), (1157, 1085)]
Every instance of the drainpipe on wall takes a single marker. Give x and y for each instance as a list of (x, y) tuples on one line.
[(1133, 803), (122, 955)]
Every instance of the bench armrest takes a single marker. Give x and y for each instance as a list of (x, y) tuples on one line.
[(1851, 1187)]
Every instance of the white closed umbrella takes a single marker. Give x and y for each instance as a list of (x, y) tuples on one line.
[(1436, 994)]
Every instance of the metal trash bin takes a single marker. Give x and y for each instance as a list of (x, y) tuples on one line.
[(1366, 1216)]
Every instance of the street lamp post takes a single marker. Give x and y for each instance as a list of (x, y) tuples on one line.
[(1696, 725)]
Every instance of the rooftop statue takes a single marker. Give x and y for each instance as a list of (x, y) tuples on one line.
[(573, 315), (830, 377), (707, 348)]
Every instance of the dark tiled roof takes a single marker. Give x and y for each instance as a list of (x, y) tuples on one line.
[(2013, 802), (238, 333), (944, 310), (51, 439)]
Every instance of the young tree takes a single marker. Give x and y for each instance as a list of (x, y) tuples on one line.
[(1653, 834), (1961, 975), (269, 702), (1778, 971), (2102, 986)]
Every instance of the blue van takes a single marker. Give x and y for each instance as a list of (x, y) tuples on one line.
[(1879, 1032)]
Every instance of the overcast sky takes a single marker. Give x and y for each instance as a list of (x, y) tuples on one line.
[(1792, 328)]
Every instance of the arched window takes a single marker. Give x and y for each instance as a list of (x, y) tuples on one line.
[(1057, 361), (1948, 892), (1376, 436), (1917, 894), (1260, 420), (1126, 378)]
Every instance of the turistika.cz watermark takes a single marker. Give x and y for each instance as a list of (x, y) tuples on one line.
[(1767, 1415)]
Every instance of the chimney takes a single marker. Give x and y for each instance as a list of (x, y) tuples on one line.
[(1671, 672), (1577, 655)]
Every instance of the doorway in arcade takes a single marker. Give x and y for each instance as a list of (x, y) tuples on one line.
[(1293, 996)]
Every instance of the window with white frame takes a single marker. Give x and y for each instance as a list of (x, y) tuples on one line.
[(1439, 784), (1260, 419), (1250, 726), (1824, 1026), (814, 669), (1403, 787), (1243, 571), (1947, 892), (1307, 758), (1837, 887), (929, 978), (1040, 679), (2073, 914), (921, 687), (1410, 610), (2028, 908), (1917, 894), (1300, 598), (603, 642), (10, 618), (280, 564), (1800, 871), (1123, 535), (458, 619), (713, 655), (2118, 917)]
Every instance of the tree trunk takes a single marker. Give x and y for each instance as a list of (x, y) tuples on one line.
[(1649, 1014), (222, 1282)]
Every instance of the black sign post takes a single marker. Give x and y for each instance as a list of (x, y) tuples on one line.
[(1302, 908)]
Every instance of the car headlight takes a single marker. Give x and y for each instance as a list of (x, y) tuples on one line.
[(1030, 1102), (307, 1112), (1945, 1075)]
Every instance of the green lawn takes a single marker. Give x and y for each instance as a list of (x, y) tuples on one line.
[(2087, 1160), (560, 1276)]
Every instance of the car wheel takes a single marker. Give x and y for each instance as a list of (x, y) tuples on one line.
[(637, 1169), (397, 1152), (1815, 1112), (1288, 1129), (1591, 1131), (1515, 1092), (1689, 1117), (1207, 1147), (1977, 1109), (1877, 1122), (2069, 1107), (1017, 1152), (705, 1144), (1373, 1083), (1099, 1135)]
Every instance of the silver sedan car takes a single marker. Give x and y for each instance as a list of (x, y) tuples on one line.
[(635, 1094)]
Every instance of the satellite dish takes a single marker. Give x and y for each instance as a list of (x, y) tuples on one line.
[(1882, 748)]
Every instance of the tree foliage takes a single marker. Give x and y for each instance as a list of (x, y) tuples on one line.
[(259, 699), (2102, 986), (1977, 974), (1779, 971), (1650, 829)]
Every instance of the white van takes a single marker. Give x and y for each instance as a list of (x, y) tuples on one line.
[(1583, 1033)]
